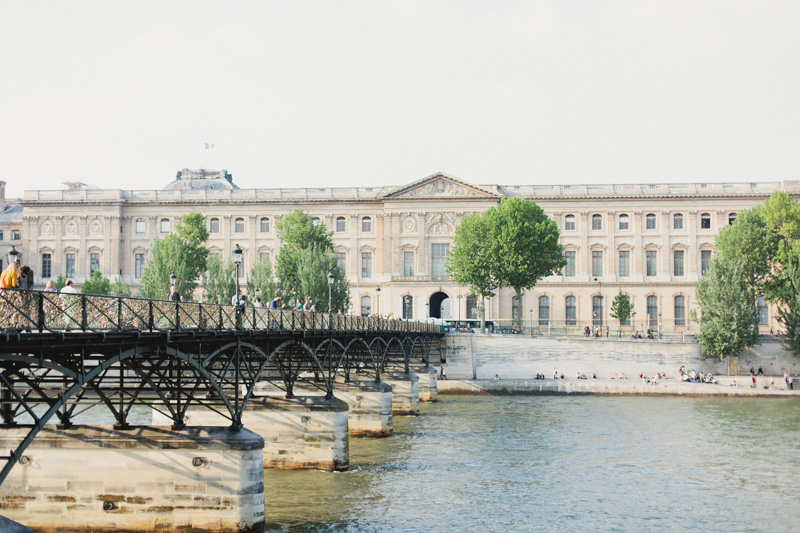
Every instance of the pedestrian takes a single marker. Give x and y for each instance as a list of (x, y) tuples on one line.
[(50, 287), (772, 382), (753, 381), (760, 372), (68, 288), (586, 330), (443, 374), (299, 306), (238, 299), (607, 331), (173, 295), (752, 371), (786, 379), (307, 306), (257, 303), (275, 303), (9, 279), (791, 382), (555, 372), (26, 278)]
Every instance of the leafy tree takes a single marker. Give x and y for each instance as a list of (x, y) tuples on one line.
[(729, 319), (261, 277), (218, 283), (60, 282), (789, 313), (519, 247), (120, 289), (297, 231), (469, 262), (97, 284), (183, 253), (622, 309), (313, 268)]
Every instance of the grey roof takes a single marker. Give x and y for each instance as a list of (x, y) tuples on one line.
[(201, 179), (11, 213)]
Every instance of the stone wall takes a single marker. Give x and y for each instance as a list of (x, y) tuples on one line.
[(520, 357)]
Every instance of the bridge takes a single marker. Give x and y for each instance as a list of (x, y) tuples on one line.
[(61, 354)]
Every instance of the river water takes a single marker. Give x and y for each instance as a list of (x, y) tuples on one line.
[(557, 463)]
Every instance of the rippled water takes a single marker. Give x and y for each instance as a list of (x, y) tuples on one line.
[(560, 464)]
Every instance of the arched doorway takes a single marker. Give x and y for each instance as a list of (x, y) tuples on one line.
[(439, 305)]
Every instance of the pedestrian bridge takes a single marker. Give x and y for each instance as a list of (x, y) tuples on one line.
[(61, 354)]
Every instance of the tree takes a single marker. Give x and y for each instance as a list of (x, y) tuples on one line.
[(60, 282), (519, 247), (469, 262), (313, 268), (622, 309), (120, 289), (97, 284), (298, 231), (789, 313), (261, 278), (729, 320), (183, 253), (218, 283)]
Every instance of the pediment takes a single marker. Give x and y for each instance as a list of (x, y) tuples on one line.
[(440, 186)]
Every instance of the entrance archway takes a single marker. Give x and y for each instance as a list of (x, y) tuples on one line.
[(439, 305)]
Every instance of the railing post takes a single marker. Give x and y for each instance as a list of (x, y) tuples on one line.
[(177, 315), (40, 318), (84, 318), (150, 317), (119, 314)]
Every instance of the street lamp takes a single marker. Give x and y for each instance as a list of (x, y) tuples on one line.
[(237, 260), (406, 306), (173, 278), (459, 308), (378, 291), (13, 255), (427, 310), (531, 323), (330, 287)]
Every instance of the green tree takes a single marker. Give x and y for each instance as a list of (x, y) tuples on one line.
[(120, 289), (183, 253), (519, 247), (789, 313), (60, 282), (729, 320), (218, 283), (622, 309), (261, 278), (313, 267), (97, 284), (469, 263), (297, 231)]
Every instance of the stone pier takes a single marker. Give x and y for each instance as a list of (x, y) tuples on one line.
[(370, 407), (96, 478), (405, 392), (428, 391), (300, 432)]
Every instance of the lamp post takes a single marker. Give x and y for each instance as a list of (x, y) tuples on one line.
[(459, 308), (237, 260), (601, 302), (378, 291), (406, 306), (330, 287), (427, 310), (531, 322), (13, 255), (173, 279)]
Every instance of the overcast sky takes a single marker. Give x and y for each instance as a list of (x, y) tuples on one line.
[(359, 93)]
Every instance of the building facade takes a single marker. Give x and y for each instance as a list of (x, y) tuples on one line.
[(651, 241)]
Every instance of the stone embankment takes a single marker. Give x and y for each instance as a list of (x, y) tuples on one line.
[(616, 387)]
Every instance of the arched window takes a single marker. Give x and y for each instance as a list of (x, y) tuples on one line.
[(164, 225), (680, 311), (569, 223), (652, 311), (408, 306), (597, 222), (570, 311), (597, 310), (650, 221), (366, 225), (624, 222), (677, 221), (238, 225), (366, 306), (316, 221), (472, 308), (731, 218), (213, 225), (544, 310), (340, 224), (265, 225), (705, 221), (140, 227), (763, 311)]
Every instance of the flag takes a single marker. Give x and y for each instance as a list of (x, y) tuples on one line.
[(209, 146)]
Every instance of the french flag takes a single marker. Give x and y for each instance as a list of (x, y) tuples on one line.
[(209, 146)]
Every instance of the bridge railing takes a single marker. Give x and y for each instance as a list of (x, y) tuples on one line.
[(40, 311)]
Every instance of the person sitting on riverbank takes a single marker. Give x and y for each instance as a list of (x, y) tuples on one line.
[(622, 375), (594, 376), (497, 376)]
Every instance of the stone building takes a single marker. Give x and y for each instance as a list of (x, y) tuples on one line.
[(651, 241), (10, 227)]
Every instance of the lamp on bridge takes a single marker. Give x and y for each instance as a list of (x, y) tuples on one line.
[(406, 306), (378, 291), (13, 255), (331, 277), (459, 296), (237, 260), (173, 278)]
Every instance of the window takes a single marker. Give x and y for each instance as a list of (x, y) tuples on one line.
[(408, 263), (650, 257), (624, 263), (238, 225), (164, 225), (264, 225), (472, 308), (597, 222), (341, 261), (570, 311), (366, 306), (705, 221), (47, 265), (366, 225), (650, 221), (140, 225), (677, 221), (705, 261), (138, 265), (438, 259), (763, 311), (1, 265), (340, 224), (15, 235), (731, 218), (94, 262), (1, 235), (624, 222), (213, 225), (70, 272), (544, 310), (264, 256), (514, 301), (677, 263), (597, 263), (652, 310), (366, 264), (316, 221), (569, 223), (569, 268), (408, 307), (680, 311), (597, 310)]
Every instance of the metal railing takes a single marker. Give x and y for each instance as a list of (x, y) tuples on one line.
[(22, 310)]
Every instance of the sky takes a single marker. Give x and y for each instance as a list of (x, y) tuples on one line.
[(324, 93)]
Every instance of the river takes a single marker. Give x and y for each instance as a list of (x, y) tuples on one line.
[(557, 463)]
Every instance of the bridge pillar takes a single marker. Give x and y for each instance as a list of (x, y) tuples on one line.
[(405, 392), (96, 478), (300, 432), (428, 390)]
